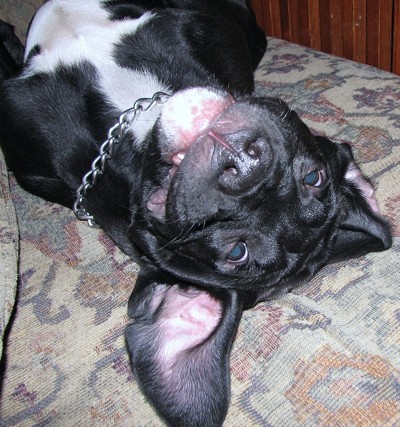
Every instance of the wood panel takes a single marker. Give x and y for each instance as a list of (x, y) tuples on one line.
[(396, 41), (314, 23), (348, 39), (336, 27), (360, 30)]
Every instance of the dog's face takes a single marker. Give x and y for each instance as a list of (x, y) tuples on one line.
[(239, 193), (239, 201)]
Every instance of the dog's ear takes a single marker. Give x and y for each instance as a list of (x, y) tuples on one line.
[(361, 228), (179, 341)]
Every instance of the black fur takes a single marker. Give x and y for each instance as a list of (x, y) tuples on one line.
[(11, 51), (251, 190)]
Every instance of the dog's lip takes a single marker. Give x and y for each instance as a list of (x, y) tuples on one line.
[(157, 200), (156, 203), (187, 116)]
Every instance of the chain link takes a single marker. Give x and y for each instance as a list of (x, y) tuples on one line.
[(114, 136)]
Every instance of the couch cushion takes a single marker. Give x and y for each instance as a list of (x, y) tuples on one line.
[(8, 251), (326, 354)]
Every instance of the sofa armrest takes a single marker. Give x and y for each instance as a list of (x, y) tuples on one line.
[(8, 251)]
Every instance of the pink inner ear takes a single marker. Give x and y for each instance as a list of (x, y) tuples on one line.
[(179, 342), (188, 318), (355, 176)]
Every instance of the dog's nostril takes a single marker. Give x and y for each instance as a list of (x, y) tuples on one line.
[(253, 149), (246, 168)]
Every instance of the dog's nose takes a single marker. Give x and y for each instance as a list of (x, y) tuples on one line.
[(243, 161)]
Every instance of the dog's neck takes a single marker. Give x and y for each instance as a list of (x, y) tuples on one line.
[(116, 82), (115, 135)]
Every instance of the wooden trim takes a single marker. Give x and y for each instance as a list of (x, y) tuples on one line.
[(360, 30), (336, 27), (258, 9), (304, 23), (385, 34), (396, 37), (372, 33), (379, 34), (275, 17), (314, 23), (366, 31), (348, 39)]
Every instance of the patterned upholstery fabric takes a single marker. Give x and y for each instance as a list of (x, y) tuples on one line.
[(326, 354), (8, 251)]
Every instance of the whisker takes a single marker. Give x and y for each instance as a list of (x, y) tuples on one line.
[(179, 238), (225, 144)]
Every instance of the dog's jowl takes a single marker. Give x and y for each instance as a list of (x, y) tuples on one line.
[(225, 199)]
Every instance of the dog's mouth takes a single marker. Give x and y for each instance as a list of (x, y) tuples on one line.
[(186, 118)]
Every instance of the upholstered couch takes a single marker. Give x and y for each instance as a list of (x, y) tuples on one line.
[(327, 354)]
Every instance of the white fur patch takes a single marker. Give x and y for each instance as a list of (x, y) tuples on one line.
[(69, 31), (72, 31)]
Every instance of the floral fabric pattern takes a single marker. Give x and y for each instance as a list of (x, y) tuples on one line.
[(326, 354), (8, 251)]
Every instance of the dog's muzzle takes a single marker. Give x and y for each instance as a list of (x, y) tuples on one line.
[(215, 150), (199, 120)]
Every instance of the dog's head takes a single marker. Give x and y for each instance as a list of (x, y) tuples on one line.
[(240, 201)]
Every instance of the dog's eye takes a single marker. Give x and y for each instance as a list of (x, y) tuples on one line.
[(314, 179), (239, 254)]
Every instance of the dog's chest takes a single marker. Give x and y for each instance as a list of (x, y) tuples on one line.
[(69, 33)]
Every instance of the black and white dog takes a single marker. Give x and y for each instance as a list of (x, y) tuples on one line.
[(224, 198)]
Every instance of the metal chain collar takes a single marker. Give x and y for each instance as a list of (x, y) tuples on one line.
[(114, 136)]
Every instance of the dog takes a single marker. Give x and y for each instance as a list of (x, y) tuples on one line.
[(225, 199)]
